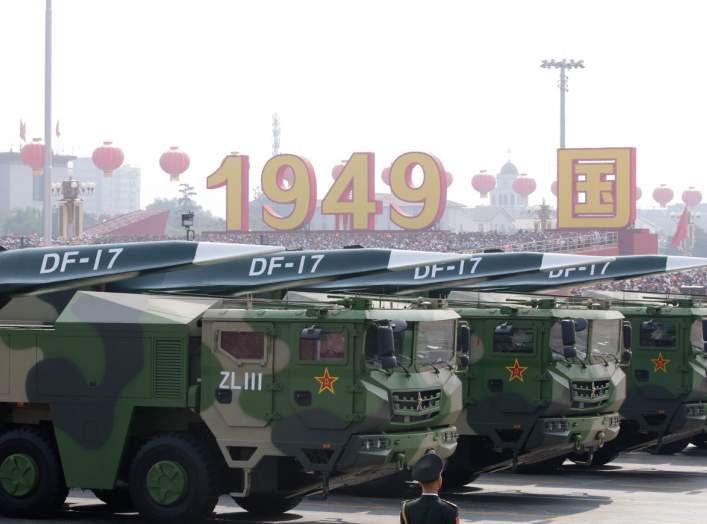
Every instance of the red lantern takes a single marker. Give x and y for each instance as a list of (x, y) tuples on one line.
[(108, 158), (483, 183), (174, 163), (639, 193), (662, 195), (524, 185), (691, 197), (32, 154), (553, 188), (385, 176), (449, 178)]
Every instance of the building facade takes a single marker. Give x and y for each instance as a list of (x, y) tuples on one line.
[(504, 196), (114, 195)]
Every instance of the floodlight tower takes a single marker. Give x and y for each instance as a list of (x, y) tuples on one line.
[(275, 134), (563, 65)]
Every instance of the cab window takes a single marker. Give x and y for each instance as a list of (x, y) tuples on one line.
[(243, 345), (513, 340), (330, 346), (655, 334)]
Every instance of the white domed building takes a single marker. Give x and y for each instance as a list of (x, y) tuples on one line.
[(504, 196)]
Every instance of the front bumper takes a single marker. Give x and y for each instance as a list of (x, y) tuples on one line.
[(573, 434), (396, 450)]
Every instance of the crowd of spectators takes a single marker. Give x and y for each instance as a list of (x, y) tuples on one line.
[(691, 281), (429, 240)]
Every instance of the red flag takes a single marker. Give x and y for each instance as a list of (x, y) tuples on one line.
[(23, 131), (58, 134), (681, 230)]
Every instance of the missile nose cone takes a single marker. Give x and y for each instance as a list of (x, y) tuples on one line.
[(213, 252)]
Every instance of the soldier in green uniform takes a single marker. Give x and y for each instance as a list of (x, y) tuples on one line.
[(429, 508)]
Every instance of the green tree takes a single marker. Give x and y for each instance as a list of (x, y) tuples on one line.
[(24, 221)]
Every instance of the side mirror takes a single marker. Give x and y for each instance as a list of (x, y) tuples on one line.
[(463, 361), (464, 339), (626, 356), (649, 326), (388, 362), (580, 324), (568, 334), (627, 335), (398, 326), (386, 342), (311, 333), (504, 329)]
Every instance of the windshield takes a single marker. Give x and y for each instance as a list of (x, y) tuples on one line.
[(435, 342), (658, 334), (603, 336), (558, 350)]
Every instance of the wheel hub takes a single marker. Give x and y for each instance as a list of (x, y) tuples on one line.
[(18, 474), (166, 482)]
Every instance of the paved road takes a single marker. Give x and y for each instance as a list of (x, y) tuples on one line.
[(636, 488)]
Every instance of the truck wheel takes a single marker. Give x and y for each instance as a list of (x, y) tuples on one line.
[(118, 500), (174, 480), (604, 455), (31, 478), (672, 448), (700, 440), (546, 466), (457, 478), (267, 505)]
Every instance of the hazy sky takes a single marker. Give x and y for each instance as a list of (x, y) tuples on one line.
[(460, 80)]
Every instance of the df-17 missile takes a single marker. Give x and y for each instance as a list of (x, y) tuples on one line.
[(588, 273), (357, 269), (41, 270)]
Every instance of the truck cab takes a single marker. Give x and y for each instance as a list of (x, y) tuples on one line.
[(544, 380), (667, 376)]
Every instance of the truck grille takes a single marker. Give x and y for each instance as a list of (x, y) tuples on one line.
[(590, 393), (415, 406)]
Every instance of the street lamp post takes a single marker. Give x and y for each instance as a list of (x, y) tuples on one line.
[(563, 65), (47, 207)]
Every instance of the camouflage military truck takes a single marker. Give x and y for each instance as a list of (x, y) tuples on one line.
[(544, 380), (667, 377), (165, 403)]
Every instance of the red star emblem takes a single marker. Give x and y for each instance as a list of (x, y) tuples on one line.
[(516, 371), (326, 382), (660, 363)]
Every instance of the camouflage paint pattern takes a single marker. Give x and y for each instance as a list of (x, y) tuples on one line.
[(116, 367)]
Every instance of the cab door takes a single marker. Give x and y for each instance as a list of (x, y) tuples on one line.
[(508, 377), (657, 364), (321, 375), (238, 372)]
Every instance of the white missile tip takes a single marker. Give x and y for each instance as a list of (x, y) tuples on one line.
[(402, 259), (212, 252), (558, 260), (680, 263)]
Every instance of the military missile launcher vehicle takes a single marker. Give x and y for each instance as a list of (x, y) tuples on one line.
[(667, 376), (166, 402), (544, 380)]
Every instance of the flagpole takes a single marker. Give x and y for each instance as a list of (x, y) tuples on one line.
[(47, 212)]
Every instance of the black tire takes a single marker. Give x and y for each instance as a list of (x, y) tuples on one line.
[(457, 478), (671, 448), (546, 466), (118, 500), (269, 505), (604, 455), (700, 440), (49, 491), (201, 470)]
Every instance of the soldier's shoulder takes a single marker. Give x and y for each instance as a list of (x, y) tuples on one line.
[(450, 505)]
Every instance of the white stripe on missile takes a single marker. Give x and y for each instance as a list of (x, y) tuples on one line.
[(681, 263), (212, 252)]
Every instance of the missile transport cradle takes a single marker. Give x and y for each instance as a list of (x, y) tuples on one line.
[(160, 389)]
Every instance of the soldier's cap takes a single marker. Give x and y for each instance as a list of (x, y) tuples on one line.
[(428, 468)]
